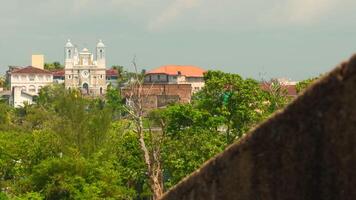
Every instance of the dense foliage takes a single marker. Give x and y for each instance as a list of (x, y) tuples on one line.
[(302, 85), (71, 147), (53, 66)]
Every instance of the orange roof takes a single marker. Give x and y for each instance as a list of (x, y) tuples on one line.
[(185, 70)]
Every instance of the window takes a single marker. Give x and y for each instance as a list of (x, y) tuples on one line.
[(69, 76), (101, 54), (32, 78), (174, 77), (101, 76), (32, 88), (158, 77), (40, 77)]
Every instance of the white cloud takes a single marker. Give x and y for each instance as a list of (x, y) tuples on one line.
[(300, 11), (307, 11), (173, 11)]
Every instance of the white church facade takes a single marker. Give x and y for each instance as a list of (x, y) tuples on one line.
[(84, 71)]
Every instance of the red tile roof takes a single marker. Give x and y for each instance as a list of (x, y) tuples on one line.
[(30, 70), (111, 72), (59, 72), (185, 70)]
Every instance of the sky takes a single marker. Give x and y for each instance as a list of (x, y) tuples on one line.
[(295, 39)]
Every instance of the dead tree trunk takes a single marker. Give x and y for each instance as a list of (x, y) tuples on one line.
[(152, 156)]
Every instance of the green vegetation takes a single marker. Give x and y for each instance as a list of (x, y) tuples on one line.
[(302, 85), (71, 147), (53, 66), (2, 81), (126, 76)]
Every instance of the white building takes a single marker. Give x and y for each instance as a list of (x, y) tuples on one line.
[(83, 71), (25, 84), (177, 74)]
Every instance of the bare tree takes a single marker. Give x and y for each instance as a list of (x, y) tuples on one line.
[(137, 93)]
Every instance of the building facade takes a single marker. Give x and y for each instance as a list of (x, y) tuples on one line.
[(25, 84), (84, 71), (158, 95), (177, 74)]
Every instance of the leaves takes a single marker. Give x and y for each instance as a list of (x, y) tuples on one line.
[(71, 147)]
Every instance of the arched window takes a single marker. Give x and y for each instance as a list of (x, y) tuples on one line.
[(86, 88), (69, 53), (101, 90), (101, 53)]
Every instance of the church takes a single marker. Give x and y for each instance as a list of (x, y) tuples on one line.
[(84, 71)]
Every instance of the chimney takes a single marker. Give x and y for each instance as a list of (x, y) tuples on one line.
[(38, 61)]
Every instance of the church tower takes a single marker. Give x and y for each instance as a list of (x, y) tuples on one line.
[(100, 54), (69, 51), (83, 72)]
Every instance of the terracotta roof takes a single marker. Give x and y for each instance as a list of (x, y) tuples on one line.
[(111, 72), (30, 70), (185, 70), (59, 72)]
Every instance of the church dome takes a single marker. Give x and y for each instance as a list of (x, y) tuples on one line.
[(69, 44), (85, 50), (100, 44)]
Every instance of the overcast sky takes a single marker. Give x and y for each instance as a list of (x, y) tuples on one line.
[(255, 38)]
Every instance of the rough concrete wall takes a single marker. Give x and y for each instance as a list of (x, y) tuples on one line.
[(307, 152), (155, 92)]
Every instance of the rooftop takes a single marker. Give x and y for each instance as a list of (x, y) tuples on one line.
[(30, 70), (184, 70)]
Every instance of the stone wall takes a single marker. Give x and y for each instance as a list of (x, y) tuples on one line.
[(160, 95), (306, 152)]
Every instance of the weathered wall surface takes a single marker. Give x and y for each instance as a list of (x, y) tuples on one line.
[(159, 95), (306, 152)]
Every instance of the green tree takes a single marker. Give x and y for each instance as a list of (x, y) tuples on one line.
[(238, 101), (114, 101), (2, 81), (53, 66), (6, 116), (188, 128), (302, 85)]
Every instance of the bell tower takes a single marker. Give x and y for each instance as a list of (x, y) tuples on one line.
[(69, 51), (100, 54)]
